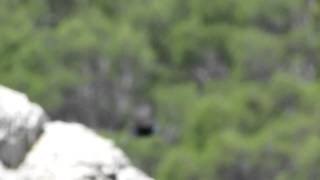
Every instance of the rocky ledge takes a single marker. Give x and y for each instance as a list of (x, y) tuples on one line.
[(33, 148)]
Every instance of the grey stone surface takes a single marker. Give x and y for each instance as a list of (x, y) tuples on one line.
[(21, 123), (70, 151), (43, 150)]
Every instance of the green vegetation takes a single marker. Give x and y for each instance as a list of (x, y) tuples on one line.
[(234, 84)]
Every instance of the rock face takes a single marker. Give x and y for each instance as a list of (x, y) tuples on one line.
[(64, 151), (21, 123), (70, 151)]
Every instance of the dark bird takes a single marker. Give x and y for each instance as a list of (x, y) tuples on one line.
[(144, 130), (143, 124)]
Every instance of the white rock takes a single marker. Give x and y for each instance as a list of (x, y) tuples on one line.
[(20, 125), (130, 173), (64, 151), (70, 151)]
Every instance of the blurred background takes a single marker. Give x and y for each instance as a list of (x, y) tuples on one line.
[(231, 87)]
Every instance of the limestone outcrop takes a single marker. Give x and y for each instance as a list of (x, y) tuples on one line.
[(21, 123), (43, 150)]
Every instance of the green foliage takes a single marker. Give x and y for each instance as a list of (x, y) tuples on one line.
[(256, 54), (255, 131)]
